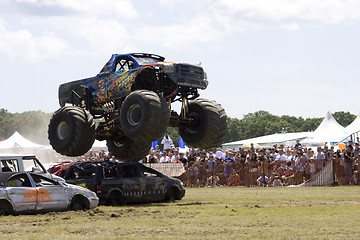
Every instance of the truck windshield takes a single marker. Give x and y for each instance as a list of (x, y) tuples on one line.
[(146, 60)]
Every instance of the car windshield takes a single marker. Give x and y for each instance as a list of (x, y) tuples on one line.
[(146, 60)]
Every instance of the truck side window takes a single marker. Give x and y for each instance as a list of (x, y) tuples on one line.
[(110, 173), (31, 164), (9, 165), (123, 65)]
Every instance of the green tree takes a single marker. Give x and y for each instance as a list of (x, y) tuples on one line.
[(33, 125), (344, 118)]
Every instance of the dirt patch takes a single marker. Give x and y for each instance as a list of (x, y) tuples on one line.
[(96, 212), (191, 204)]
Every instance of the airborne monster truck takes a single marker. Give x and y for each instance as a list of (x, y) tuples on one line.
[(131, 97)]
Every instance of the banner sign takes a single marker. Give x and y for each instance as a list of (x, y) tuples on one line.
[(169, 169)]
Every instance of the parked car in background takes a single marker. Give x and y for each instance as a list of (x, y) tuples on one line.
[(30, 192), (124, 182), (21, 163)]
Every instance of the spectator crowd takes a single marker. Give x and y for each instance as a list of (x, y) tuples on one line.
[(277, 166)]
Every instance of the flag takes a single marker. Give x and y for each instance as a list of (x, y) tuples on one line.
[(181, 143), (154, 143)]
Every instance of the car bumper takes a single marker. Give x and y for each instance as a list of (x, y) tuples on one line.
[(182, 194), (94, 202)]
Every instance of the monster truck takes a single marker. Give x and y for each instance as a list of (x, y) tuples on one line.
[(131, 99)]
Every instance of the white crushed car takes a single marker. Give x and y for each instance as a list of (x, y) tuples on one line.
[(29, 192)]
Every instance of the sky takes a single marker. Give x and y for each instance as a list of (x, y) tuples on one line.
[(287, 57)]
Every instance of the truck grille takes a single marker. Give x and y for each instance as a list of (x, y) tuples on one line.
[(190, 75)]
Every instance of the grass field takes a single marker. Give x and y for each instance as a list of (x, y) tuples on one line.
[(207, 213)]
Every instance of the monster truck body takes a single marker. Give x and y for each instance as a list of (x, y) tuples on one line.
[(132, 96)]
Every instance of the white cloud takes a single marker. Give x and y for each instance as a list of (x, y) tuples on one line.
[(187, 33), (237, 15), (83, 27), (123, 8), (22, 44), (97, 36)]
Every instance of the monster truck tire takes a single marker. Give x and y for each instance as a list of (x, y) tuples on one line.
[(223, 123), (71, 131), (209, 124), (128, 149), (144, 116)]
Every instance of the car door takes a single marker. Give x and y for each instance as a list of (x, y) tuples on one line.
[(132, 188), (21, 192), (155, 187), (51, 194)]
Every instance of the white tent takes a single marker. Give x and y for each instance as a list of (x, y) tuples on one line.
[(269, 140), (99, 145), (329, 131), (17, 143), (354, 127)]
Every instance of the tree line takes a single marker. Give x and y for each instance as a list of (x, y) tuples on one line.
[(33, 125)]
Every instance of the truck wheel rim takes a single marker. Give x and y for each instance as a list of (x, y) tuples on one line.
[(194, 128), (134, 114), (63, 130), (118, 144)]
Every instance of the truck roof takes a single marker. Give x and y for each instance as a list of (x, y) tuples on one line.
[(8, 155)]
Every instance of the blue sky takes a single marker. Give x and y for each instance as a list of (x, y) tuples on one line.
[(288, 57)]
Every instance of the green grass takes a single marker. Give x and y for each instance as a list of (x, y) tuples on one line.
[(207, 213)]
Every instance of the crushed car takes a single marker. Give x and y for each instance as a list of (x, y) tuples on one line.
[(21, 163), (131, 100), (117, 183), (27, 192)]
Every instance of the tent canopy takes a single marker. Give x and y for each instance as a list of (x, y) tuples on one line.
[(16, 141), (329, 131), (269, 140), (354, 126), (99, 145)]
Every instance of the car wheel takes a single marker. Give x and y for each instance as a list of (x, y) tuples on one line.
[(77, 204), (71, 131), (115, 199), (5, 208), (209, 123), (144, 116), (170, 195), (128, 150)]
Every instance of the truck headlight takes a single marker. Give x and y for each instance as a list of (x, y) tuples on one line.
[(168, 68)]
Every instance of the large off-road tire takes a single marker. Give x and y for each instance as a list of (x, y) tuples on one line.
[(209, 124), (144, 116), (128, 150), (223, 123), (71, 131)]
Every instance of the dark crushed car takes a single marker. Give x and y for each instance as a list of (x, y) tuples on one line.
[(126, 182), (131, 98)]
